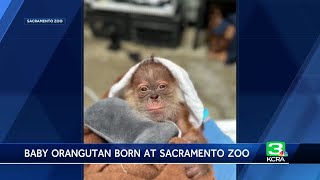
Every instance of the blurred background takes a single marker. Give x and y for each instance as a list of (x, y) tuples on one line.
[(198, 35)]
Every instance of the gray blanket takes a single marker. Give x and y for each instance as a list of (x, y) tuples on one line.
[(115, 121)]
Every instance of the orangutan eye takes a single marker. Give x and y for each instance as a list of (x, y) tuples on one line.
[(162, 86), (143, 88)]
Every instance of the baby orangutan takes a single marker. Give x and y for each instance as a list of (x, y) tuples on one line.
[(155, 93)]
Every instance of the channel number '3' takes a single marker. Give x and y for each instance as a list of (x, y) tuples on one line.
[(274, 148)]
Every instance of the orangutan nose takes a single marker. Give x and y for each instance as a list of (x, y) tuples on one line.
[(154, 96)]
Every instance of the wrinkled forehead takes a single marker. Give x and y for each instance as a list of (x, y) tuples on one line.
[(152, 72)]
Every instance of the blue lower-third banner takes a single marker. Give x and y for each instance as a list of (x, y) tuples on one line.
[(271, 152)]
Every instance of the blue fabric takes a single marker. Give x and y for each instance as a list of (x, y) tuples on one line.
[(221, 28), (232, 51), (214, 135), (233, 18), (205, 114)]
